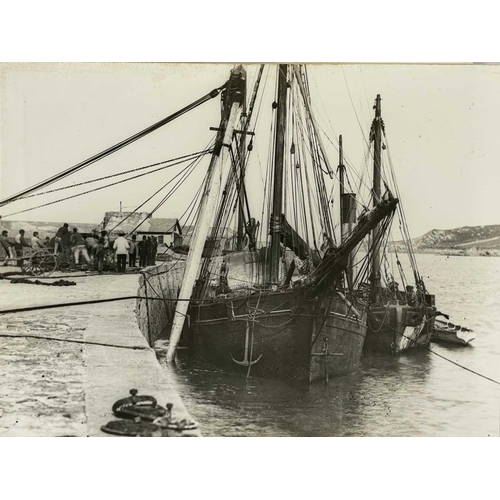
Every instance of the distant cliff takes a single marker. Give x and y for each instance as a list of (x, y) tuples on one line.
[(44, 228), (476, 240)]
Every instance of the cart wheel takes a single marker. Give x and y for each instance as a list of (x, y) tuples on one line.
[(42, 262)]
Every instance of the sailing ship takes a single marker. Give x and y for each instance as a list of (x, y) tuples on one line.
[(293, 299), (397, 320), (290, 308)]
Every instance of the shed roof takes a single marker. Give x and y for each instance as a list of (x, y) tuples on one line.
[(129, 221)]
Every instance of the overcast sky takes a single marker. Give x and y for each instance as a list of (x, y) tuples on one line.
[(442, 121)]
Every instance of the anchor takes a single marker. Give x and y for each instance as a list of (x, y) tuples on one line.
[(246, 361)]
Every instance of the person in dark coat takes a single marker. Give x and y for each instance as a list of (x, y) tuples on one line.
[(8, 246), (63, 237), (99, 254), (132, 252), (149, 250), (142, 252), (19, 244), (154, 250)]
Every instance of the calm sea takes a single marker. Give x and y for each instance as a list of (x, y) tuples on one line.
[(415, 394)]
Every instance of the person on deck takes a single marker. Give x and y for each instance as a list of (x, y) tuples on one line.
[(78, 247), (47, 241), (36, 242), (19, 245), (8, 246), (411, 297), (142, 252), (121, 246), (132, 252), (63, 238)]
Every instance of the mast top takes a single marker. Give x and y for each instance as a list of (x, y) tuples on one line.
[(377, 107)]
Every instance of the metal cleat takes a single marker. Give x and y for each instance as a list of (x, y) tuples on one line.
[(145, 407)]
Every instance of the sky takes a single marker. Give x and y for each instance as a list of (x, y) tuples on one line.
[(442, 124)]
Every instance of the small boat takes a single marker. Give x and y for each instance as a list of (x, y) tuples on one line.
[(449, 333)]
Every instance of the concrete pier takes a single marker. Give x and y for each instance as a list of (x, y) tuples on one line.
[(56, 388)]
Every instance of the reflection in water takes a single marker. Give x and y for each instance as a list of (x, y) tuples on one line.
[(414, 394)]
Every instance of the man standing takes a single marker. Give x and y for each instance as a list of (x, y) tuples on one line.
[(132, 252), (154, 250), (99, 254), (36, 242), (121, 246), (62, 239), (78, 246), (142, 252), (149, 250), (18, 245), (8, 246)]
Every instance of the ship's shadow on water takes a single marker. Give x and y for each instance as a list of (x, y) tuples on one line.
[(228, 404)]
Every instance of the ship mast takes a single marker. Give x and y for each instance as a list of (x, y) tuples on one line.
[(242, 156), (341, 180), (217, 177), (347, 213), (279, 150), (376, 134)]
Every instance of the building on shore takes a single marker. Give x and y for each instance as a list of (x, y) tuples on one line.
[(166, 230)]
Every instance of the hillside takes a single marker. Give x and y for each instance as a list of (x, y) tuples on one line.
[(475, 240), (44, 228)]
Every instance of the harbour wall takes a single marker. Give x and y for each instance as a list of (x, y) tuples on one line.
[(161, 283)]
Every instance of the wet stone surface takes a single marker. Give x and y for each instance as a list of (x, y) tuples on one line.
[(41, 393), (58, 388), (41, 390)]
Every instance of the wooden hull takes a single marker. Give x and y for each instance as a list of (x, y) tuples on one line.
[(279, 335), (396, 328)]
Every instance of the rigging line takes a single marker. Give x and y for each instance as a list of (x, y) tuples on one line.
[(346, 158), (408, 242), (463, 367), (353, 107), (447, 359), (114, 148), (170, 193), (166, 184), (187, 157), (347, 161), (74, 341), (361, 202), (92, 190)]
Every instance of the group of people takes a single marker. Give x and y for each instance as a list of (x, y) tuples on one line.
[(93, 250), (13, 247)]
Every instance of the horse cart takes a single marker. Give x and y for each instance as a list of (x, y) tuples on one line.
[(43, 262)]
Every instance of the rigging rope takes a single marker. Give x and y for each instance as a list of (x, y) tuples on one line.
[(95, 189), (114, 148), (156, 192), (187, 157)]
